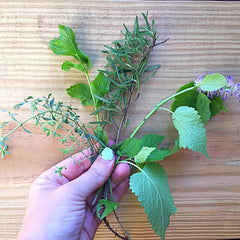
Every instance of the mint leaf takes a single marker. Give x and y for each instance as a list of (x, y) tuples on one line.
[(202, 107), (190, 128), (217, 104), (143, 154), (82, 92), (66, 45), (185, 99), (66, 66), (160, 154), (151, 187), (101, 135), (151, 140), (213, 82), (105, 207), (129, 148), (100, 86)]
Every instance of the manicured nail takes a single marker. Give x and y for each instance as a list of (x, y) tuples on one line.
[(107, 154)]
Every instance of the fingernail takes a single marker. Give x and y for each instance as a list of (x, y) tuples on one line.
[(107, 154)]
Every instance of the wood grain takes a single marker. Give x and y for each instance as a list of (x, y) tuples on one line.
[(203, 37)]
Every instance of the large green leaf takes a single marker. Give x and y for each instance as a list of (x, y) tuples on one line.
[(188, 98), (151, 187), (202, 106), (66, 45), (213, 82), (190, 128)]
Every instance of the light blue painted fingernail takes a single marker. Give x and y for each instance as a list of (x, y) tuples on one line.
[(107, 154)]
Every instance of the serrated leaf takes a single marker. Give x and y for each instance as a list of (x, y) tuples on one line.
[(202, 107), (143, 154), (105, 207), (67, 65), (213, 82), (130, 147), (151, 187), (188, 98), (151, 140), (66, 45), (190, 129), (82, 92), (217, 104)]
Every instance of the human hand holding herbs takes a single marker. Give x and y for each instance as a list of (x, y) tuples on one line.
[(111, 94), (61, 207)]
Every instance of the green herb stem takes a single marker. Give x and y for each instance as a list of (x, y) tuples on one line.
[(28, 119), (91, 91), (157, 107)]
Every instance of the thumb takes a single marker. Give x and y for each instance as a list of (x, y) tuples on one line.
[(96, 175)]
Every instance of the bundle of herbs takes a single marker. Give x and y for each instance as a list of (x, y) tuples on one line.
[(111, 94)]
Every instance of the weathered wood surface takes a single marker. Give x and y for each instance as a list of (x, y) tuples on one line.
[(203, 37)]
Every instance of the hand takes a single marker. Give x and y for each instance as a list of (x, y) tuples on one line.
[(60, 207)]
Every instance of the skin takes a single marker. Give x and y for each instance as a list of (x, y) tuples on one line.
[(61, 207)]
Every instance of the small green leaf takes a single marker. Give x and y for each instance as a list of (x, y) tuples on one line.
[(66, 66), (151, 187), (143, 154), (101, 135), (190, 129), (213, 82), (82, 92), (149, 69), (152, 140), (202, 107), (100, 86), (27, 131), (130, 147), (105, 207)]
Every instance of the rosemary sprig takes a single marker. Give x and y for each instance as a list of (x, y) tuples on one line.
[(127, 62)]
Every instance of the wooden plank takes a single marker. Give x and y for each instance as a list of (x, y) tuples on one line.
[(203, 37)]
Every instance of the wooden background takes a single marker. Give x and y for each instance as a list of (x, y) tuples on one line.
[(203, 37)]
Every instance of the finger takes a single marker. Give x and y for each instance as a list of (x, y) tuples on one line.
[(121, 172), (120, 189), (76, 164), (96, 175)]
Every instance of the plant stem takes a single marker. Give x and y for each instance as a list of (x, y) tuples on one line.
[(91, 91), (157, 107), (28, 119), (124, 114)]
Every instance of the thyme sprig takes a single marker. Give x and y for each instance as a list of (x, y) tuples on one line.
[(51, 117)]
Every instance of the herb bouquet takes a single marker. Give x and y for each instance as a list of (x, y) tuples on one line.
[(111, 94)]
